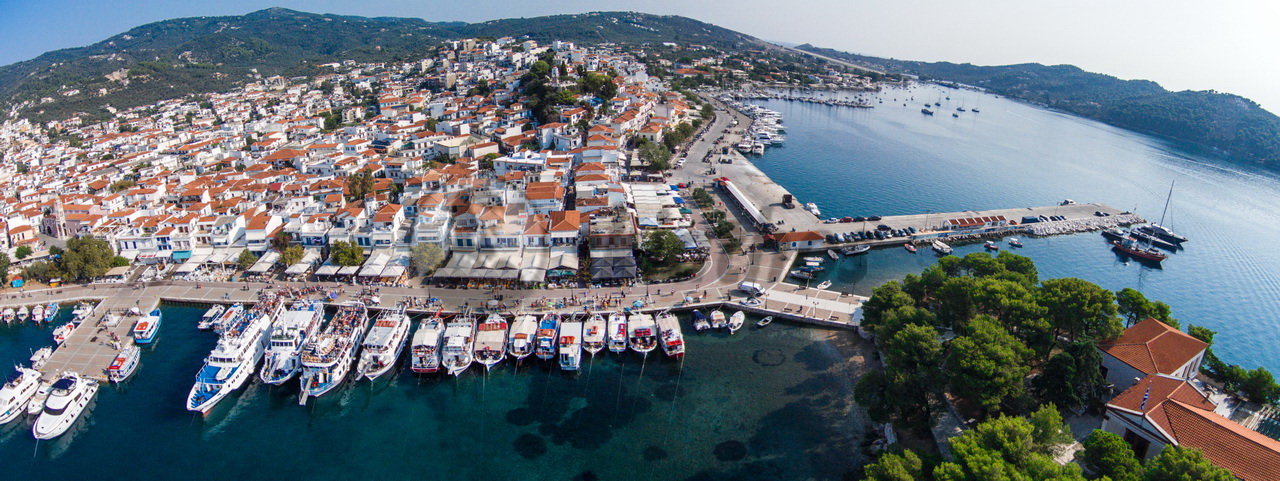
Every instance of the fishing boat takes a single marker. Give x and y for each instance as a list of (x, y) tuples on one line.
[(593, 334), (1136, 249), (459, 339), (234, 359), (51, 312), (39, 357), (1013, 241), (328, 356), (424, 353), (570, 345), (909, 247), (8, 315), (642, 337), (290, 333), (228, 317), (700, 322), (617, 332), (520, 339), (718, 321), (383, 343), (491, 341), (67, 400), (206, 321), (19, 388), (23, 314), (63, 332), (991, 246), (736, 321), (855, 250), (941, 247), (824, 284), (545, 338), (144, 331), (670, 334), (764, 322), (802, 275), (124, 364), (37, 313)]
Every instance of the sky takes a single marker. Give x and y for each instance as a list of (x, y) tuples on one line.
[(1227, 45)]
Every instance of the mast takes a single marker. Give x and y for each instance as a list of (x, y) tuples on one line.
[(1166, 202)]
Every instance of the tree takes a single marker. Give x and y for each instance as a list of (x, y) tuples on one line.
[(246, 259), (886, 297), (1134, 307), (1260, 386), (663, 246), (86, 258), (1109, 455), (345, 253), (486, 162), (291, 255), (359, 184), (1006, 448), (119, 261), (899, 393), (988, 364), (22, 252), (708, 111), (540, 69), (425, 258), (4, 268), (896, 467), (1049, 432), (656, 156), (1176, 463), (1072, 378), (281, 241), (1080, 309)]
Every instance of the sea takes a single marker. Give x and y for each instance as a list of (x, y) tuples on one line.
[(765, 403)]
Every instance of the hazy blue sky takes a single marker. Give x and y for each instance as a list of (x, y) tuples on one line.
[(1226, 45)]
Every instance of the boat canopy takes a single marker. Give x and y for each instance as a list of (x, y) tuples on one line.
[(64, 383)]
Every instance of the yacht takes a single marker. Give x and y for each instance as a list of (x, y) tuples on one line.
[(17, 391), (1115, 233), (289, 334), (520, 339), (424, 354), (1162, 232), (491, 341), (617, 332), (328, 356), (736, 321), (1138, 250), (124, 364), (37, 313), (545, 339), (39, 357), (36, 404), (459, 340), (235, 358), (642, 336), (383, 344), (144, 331), (228, 317), (206, 321), (593, 334), (813, 209), (51, 312), (941, 247), (570, 345), (82, 311), (61, 333), (23, 313), (672, 337), (67, 399)]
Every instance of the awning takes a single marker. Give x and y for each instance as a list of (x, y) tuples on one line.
[(532, 275), (181, 255), (131, 255), (393, 271), (187, 268), (327, 270), (117, 271), (297, 269), (198, 259), (348, 270)]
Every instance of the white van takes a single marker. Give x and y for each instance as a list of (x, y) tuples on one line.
[(751, 288)]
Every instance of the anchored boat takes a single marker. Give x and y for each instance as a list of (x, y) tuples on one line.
[(292, 330), (570, 345), (211, 315), (642, 337), (545, 338), (67, 400), (144, 331), (329, 355), (383, 344), (593, 334), (617, 332), (459, 338), (235, 358), (425, 352), (124, 364), (520, 339), (672, 337), (18, 389), (491, 341)]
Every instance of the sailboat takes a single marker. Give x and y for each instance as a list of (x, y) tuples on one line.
[(1160, 230)]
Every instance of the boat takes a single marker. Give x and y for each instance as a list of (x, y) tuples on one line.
[(813, 209), (234, 359), (671, 336), (799, 274), (700, 322), (764, 322), (1115, 233), (926, 111), (593, 334), (51, 312), (718, 321), (814, 260), (124, 364), (37, 313), (941, 247), (18, 389), (736, 321), (1013, 241), (520, 339), (1152, 240), (39, 357), (328, 356), (67, 400), (855, 250), (545, 338), (459, 339), (832, 254), (1161, 231), (824, 284), (63, 332), (290, 333), (8, 315), (424, 353), (642, 337), (144, 331), (491, 341), (23, 314), (383, 343), (36, 404), (617, 332), (991, 246), (1136, 249), (228, 317), (82, 311), (206, 321), (570, 345), (909, 247)]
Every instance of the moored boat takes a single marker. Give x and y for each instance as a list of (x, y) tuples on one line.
[(909, 247), (234, 359), (1013, 241), (328, 356), (520, 339), (211, 315), (383, 343), (800, 274), (671, 336), (459, 339), (39, 357), (144, 331), (18, 390), (570, 345), (764, 322), (36, 404), (855, 250), (641, 336), (1115, 233), (1152, 240), (593, 332), (23, 314), (545, 338), (736, 321), (700, 322), (290, 333), (8, 315), (617, 332), (37, 313), (51, 312), (63, 332), (491, 341), (424, 353), (125, 363), (718, 321), (1135, 249), (229, 316), (991, 246), (67, 400)]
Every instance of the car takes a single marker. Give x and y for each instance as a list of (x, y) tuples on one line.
[(912, 229), (859, 219), (853, 236), (883, 227), (846, 219), (880, 235), (869, 234), (874, 218), (831, 238)]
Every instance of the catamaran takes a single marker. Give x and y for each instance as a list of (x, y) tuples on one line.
[(593, 334), (383, 344), (211, 315), (643, 337), (292, 330), (124, 364), (235, 357), (520, 339), (328, 356), (570, 345), (67, 399), (545, 339), (617, 332), (17, 391), (672, 337), (425, 352), (459, 339), (491, 341), (144, 331)]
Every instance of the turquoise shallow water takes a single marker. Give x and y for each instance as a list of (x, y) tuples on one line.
[(767, 403), (894, 160)]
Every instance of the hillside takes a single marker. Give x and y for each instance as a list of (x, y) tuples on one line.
[(177, 57), (1229, 124)]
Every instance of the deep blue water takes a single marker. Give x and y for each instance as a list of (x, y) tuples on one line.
[(896, 160)]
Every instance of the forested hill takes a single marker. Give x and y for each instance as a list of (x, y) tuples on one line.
[(1233, 125), (176, 57)]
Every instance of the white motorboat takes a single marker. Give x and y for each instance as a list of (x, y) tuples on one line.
[(8, 315), (328, 356), (544, 345), (643, 333), (617, 332), (227, 318), (593, 334), (824, 285), (941, 247), (18, 389), (671, 335), (82, 311), (23, 314), (289, 334), (39, 357), (491, 341), (424, 353), (700, 322), (459, 339), (37, 313), (235, 358), (570, 345), (211, 315), (125, 363), (520, 339), (61, 333), (736, 321), (37, 400), (384, 342), (718, 320), (67, 400)]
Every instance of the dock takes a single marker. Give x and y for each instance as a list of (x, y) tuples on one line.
[(89, 350)]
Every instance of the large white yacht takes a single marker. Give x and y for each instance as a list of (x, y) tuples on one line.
[(292, 329), (235, 358), (67, 400), (383, 344), (424, 353), (17, 390), (329, 355)]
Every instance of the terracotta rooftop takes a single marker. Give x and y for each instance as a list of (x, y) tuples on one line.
[(1153, 347)]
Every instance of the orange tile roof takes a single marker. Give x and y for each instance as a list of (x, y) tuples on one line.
[(1249, 455), (1152, 347)]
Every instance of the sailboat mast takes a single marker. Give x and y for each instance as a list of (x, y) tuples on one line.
[(1166, 202)]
